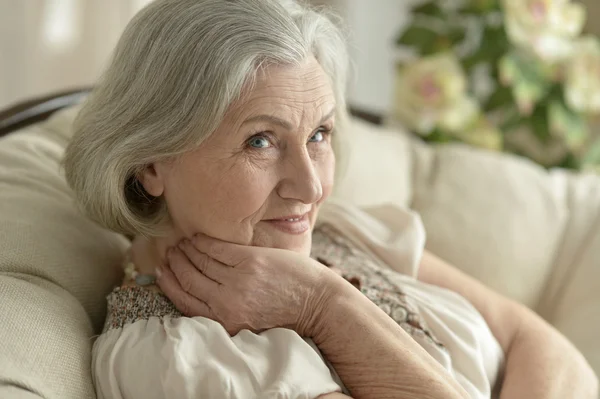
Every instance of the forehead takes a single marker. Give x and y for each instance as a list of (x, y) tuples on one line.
[(296, 89)]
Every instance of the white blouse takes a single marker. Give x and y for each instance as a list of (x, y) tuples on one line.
[(149, 350)]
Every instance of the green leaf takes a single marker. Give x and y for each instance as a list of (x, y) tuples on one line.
[(431, 9), (514, 66), (443, 43), (512, 119), (592, 156), (477, 57), (539, 123), (508, 69), (527, 78), (438, 136), (481, 6), (501, 98), (570, 162), (449, 36), (418, 36), (495, 41), (457, 35), (494, 45), (568, 124), (527, 94)]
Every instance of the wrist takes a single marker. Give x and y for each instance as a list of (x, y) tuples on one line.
[(327, 288)]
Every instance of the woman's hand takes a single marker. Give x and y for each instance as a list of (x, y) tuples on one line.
[(244, 287)]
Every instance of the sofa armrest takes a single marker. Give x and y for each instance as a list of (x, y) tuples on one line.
[(45, 340)]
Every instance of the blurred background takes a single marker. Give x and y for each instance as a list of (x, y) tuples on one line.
[(48, 45), (53, 45)]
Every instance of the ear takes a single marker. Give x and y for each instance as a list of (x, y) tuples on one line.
[(152, 180)]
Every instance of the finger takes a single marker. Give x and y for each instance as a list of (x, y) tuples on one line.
[(225, 252), (190, 279), (184, 302), (208, 266)]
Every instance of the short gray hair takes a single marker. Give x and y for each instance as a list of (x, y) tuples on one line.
[(175, 71)]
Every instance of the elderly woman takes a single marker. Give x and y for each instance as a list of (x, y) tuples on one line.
[(211, 139)]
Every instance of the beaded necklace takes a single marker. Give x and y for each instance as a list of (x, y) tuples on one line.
[(133, 275)]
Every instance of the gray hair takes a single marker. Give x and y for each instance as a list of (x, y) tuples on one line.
[(176, 69)]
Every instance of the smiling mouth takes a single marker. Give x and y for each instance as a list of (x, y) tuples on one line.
[(292, 224)]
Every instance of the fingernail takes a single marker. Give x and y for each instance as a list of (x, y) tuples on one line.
[(158, 272)]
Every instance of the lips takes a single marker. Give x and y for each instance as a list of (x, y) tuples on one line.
[(291, 218), (291, 224)]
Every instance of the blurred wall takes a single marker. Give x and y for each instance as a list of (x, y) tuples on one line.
[(50, 45), (372, 27)]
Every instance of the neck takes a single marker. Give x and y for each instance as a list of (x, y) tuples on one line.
[(149, 253)]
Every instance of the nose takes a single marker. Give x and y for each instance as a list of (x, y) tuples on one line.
[(301, 181)]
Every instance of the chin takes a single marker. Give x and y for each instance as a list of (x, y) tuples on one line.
[(297, 243)]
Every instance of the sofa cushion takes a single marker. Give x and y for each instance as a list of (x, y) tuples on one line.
[(496, 217), (376, 166), (571, 300), (56, 268)]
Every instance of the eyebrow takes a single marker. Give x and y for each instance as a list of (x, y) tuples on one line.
[(283, 123)]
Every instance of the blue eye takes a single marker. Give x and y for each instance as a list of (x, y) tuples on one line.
[(317, 137), (259, 142)]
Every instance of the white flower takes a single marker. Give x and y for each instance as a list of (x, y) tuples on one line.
[(545, 27), (582, 83), (458, 116), (432, 91)]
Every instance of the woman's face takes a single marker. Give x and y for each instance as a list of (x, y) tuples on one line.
[(260, 178)]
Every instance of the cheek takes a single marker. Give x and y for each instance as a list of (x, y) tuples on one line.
[(216, 199), (241, 195)]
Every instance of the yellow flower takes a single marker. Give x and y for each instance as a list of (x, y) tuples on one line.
[(582, 83), (432, 91), (545, 27)]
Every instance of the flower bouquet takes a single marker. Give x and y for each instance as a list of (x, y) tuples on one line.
[(511, 75)]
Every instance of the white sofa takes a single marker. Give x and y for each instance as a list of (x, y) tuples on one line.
[(530, 234)]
